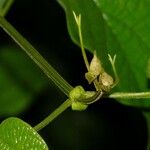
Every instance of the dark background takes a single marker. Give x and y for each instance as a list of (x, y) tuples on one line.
[(106, 124)]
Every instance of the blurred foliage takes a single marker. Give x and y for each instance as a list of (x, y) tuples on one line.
[(20, 81), (116, 27)]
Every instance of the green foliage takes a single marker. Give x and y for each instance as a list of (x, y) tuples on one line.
[(16, 135), (20, 81), (116, 27), (92, 24)]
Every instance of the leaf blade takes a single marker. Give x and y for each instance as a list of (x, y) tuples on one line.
[(16, 134), (91, 30)]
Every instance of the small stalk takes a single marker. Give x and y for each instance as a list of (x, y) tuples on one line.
[(49, 71), (139, 95), (53, 115), (82, 47), (78, 22)]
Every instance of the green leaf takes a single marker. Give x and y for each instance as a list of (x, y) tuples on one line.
[(92, 24), (116, 27), (5, 6), (20, 81), (15, 134)]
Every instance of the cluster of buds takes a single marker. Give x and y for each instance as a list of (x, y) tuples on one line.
[(97, 75)]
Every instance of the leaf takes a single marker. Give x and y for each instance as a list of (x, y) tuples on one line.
[(20, 81), (116, 27), (15, 134), (90, 29), (148, 69), (5, 6)]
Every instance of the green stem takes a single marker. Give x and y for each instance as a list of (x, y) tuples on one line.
[(81, 44), (5, 7), (130, 95), (35, 56), (53, 115)]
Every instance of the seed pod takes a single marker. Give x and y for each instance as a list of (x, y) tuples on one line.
[(95, 69), (95, 65), (106, 80)]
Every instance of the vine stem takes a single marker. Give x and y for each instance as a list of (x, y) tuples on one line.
[(53, 115), (68, 103), (6, 6), (130, 95), (49, 71)]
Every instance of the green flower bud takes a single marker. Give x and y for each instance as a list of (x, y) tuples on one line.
[(77, 93), (78, 106)]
